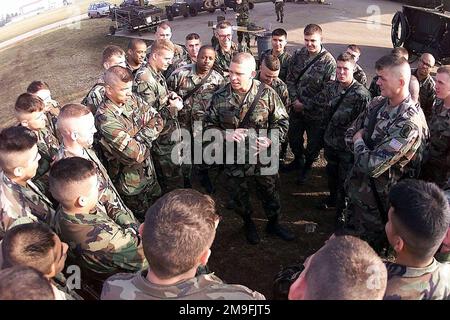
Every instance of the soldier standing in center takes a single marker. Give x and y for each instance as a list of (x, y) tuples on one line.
[(279, 41), (342, 102), (228, 113), (310, 68), (151, 86)]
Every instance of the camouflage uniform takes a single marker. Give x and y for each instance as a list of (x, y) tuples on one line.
[(181, 62), (284, 59), (242, 20), (20, 205), (95, 96), (336, 121), (279, 9), (281, 89), (226, 112), (99, 243), (429, 283), (399, 138), (152, 87), (374, 89), (223, 59), (108, 195), (204, 287), (359, 75), (306, 89), (427, 94), (126, 134), (437, 167)]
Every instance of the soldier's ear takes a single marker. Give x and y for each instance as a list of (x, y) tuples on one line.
[(82, 201), (24, 123), (205, 257), (74, 135), (141, 229), (253, 74), (18, 172), (106, 65)]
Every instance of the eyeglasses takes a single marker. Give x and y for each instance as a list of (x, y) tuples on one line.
[(223, 36), (425, 64)]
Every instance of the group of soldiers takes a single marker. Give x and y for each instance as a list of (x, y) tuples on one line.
[(91, 171)]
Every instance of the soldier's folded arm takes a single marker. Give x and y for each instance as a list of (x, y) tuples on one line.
[(394, 146), (278, 119), (128, 149), (355, 127)]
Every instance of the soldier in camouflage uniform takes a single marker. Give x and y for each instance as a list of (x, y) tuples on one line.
[(342, 101), (387, 142), (437, 166), (310, 68), (427, 93), (51, 109), (242, 20), (183, 81), (177, 236), (358, 73), (29, 111), (136, 53), (279, 41), (112, 56), (152, 88), (193, 45), (279, 9), (21, 201), (227, 113), (99, 243), (419, 217), (226, 48), (76, 127), (127, 126)]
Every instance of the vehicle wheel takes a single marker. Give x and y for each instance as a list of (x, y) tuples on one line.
[(97, 15), (112, 30), (89, 15), (170, 17), (251, 5), (211, 10), (193, 12), (185, 14)]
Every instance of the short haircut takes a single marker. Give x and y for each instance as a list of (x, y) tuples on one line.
[(206, 47), (118, 73), (346, 57), (224, 24), (66, 173), (164, 25), (24, 283), (421, 216), (279, 32), (73, 110), (178, 228), (29, 245), (162, 44), (354, 48), (36, 86), (414, 88), (28, 103), (399, 51), (271, 62), (244, 58), (311, 29), (12, 140), (133, 43), (444, 69), (111, 51), (192, 36), (390, 61), (342, 270)]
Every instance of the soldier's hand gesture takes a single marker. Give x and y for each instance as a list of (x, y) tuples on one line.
[(237, 135)]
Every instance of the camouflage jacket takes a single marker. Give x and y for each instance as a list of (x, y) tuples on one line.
[(438, 151), (281, 89), (400, 135), (284, 58), (337, 118), (223, 59), (182, 81), (19, 205), (311, 82), (226, 112), (126, 135), (100, 243), (108, 195), (429, 283), (204, 287), (95, 96), (181, 62), (359, 75), (374, 89), (427, 93), (151, 86), (242, 14)]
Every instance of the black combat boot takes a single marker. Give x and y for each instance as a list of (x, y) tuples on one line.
[(292, 166), (304, 174), (281, 20), (273, 227), (251, 234), (329, 203)]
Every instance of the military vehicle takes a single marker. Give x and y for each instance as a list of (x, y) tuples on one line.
[(193, 7)]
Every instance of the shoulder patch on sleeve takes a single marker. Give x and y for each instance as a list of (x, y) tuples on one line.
[(395, 144), (406, 130)]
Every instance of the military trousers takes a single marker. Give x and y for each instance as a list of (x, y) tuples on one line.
[(279, 10), (139, 203), (243, 35), (267, 191), (298, 125)]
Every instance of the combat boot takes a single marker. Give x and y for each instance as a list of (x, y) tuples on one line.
[(304, 174), (273, 227), (251, 234)]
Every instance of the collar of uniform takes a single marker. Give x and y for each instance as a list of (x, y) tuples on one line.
[(234, 47), (7, 181), (441, 109), (235, 97), (410, 272), (66, 153), (118, 110)]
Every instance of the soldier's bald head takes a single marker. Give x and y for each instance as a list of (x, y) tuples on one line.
[(429, 58), (117, 74), (246, 59)]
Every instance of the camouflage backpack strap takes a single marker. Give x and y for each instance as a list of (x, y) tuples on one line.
[(250, 110), (85, 99), (320, 55), (195, 89)]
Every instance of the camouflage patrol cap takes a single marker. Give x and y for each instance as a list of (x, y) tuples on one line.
[(284, 279)]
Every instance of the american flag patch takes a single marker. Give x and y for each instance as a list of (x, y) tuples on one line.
[(395, 144)]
